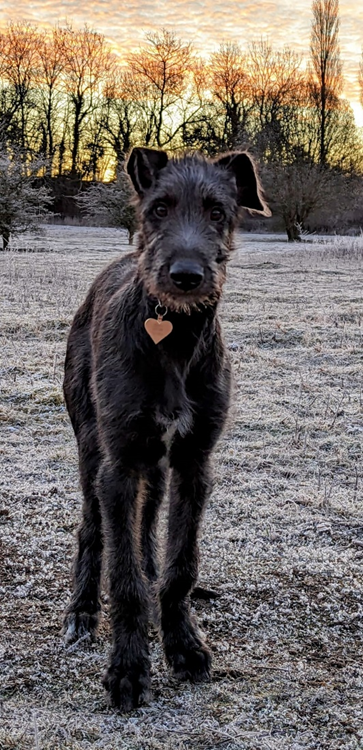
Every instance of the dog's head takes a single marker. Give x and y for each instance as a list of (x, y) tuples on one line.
[(188, 209)]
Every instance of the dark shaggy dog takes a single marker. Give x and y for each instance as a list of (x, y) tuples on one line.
[(138, 407)]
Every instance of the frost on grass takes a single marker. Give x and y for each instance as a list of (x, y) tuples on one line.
[(282, 544)]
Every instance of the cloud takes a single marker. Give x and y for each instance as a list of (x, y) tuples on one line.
[(205, 22)]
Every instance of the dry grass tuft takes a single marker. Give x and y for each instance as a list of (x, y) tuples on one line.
[(283, 535)]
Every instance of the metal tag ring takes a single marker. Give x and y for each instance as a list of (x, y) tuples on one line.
[(159, 307)]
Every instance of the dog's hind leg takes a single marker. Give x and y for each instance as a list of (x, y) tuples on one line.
[(153, 495), (82, 614), (154, 490)]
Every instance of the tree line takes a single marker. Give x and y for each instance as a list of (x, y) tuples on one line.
[(67, 99)]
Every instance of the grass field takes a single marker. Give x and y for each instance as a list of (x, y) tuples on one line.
[(282, 541)]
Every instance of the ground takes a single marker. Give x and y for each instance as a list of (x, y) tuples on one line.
[(282, 542)]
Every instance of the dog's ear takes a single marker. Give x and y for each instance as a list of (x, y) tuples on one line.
[(249, 193), (143, 166)]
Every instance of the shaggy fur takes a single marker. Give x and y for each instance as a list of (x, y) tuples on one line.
[(139, 409)]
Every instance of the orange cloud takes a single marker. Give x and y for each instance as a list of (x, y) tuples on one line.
[(205, 22)]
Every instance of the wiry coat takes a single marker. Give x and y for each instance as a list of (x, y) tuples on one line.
[(138, 408)]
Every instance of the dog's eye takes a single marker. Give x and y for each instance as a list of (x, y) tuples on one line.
[(217, 214), (161, 210)]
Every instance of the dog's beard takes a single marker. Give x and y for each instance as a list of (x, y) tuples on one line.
[(179, 301)]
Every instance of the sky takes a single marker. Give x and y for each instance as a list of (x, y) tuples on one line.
[(207, 23)]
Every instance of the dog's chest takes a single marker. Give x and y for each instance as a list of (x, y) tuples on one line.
[(173, 408), (174, 424)]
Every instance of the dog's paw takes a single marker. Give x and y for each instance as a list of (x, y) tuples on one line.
[(79, 626), (190, 662), (128, 688)]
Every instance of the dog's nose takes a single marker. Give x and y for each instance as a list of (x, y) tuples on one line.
[(186, 274)]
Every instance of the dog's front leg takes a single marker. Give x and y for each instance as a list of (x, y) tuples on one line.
[(128, 675), (190, 485)]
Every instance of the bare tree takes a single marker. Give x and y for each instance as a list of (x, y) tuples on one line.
[(164, 69), (297, 184), (87, 63), (344, 144), (8, 109), (51, 102), (276, 82), (123, 117), (230, 87), (19, 60), (326, 79), (360, 78)]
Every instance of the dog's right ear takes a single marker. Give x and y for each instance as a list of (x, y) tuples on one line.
[(143, 166)]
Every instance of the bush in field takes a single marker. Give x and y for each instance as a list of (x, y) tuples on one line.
[(23, 203), (109, 204), (298, 190)]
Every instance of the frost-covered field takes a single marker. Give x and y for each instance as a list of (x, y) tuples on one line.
[(282, 543)]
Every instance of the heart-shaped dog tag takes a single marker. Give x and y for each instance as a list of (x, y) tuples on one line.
[(158, 329)]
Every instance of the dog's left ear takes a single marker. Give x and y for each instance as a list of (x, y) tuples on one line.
[(143, 166), (248, 187)]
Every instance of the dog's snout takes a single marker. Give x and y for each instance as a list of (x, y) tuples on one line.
[(186, 274)]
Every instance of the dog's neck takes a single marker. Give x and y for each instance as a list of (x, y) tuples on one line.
[(189, 329)]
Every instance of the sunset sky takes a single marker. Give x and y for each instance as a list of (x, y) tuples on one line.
[(207, 23)]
